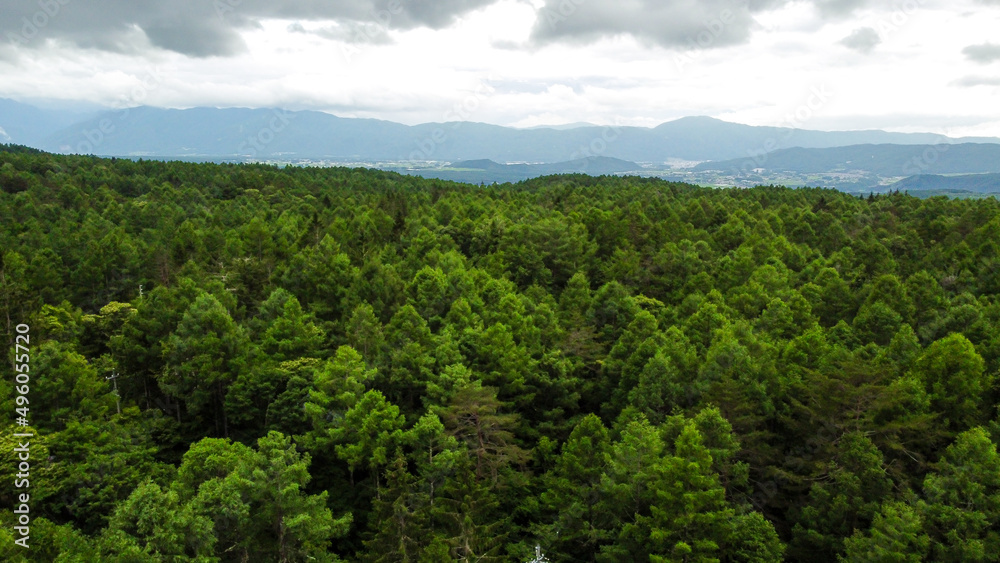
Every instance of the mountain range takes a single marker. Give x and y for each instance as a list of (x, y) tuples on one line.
[(31, 125), (964, 183), (274, 134), (715, 152), (488, 171), (883, 160)]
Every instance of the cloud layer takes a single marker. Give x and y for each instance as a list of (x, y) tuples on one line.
[(639, 62), (686, 23), (203, 28)]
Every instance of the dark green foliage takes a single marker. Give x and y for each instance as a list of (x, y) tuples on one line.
[(238, 363), (963, 500)]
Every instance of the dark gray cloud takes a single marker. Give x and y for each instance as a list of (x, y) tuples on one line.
[(691, 24), (186, 26), (198, 39), (983, 54), (7, 53), (393, 14), (971, 81), (683, 23), (839, 8), (204, 28), (863, 40)]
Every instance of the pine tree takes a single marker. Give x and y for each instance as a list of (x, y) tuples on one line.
[(962, 507), (204, 355), (572, 498)]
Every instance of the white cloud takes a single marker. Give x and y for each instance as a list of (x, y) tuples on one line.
[(489, 58)]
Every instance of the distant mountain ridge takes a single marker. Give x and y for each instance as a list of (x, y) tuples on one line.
[(274, 134), (29, 125), (882, 160), (971, 183), (592, 165), (488, 171)]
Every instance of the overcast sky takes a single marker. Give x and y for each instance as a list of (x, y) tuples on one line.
[(906, 65)]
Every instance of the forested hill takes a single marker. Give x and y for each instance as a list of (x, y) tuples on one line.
[(967, 183), (247, 363), (882, 160)]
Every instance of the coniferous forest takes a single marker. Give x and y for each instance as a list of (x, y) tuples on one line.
[(253, 363)]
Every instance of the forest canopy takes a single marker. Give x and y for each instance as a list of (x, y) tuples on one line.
[(254, 363)]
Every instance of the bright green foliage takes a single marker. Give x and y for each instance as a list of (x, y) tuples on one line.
[(341, 381), (231, 503), (877, 323), (138, 350), (338, 385), (70, 389), (153, 522), (364, 333), (670, 499), (611, 368), (903, 349), (292, 334), (927, 295), (689, 516), (435, 452), (410, 360), (806, 350), (890, 291), (369, 432), (896, 536), (963, 500), (573, 495), (752, 538), (720, 441), (47, 476), (320, 275), (954, 375), (49, 542), (430, 294), (298, 526), (660, 388), (204, 355)]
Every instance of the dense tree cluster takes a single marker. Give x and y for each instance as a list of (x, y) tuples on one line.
[(252, 363)]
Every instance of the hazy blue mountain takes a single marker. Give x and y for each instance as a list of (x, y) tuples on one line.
[(211, 133), (973, 183), (592, 165), (704, 135), (488, 171), (881, 160), (29, 125), (484, 164)]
